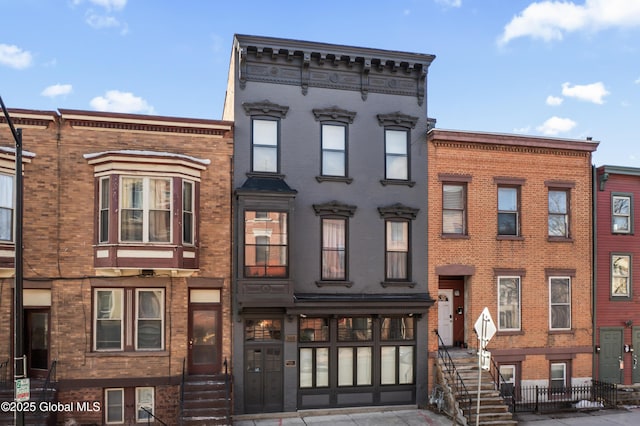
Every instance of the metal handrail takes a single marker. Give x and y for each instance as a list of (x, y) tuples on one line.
[(152, 415), (227, 386), (46, 387), (459, 389), (182, 390), (502, 386)]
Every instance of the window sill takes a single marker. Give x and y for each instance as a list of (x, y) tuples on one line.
[(455, 237), (510, 333), (386, 284), (559, 239), (266, 174), (120, 354), (386, 182), (554, 332), (510, 238), (620, 298), (329, 283), (343, 179)]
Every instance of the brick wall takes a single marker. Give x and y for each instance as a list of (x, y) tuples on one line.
[(536, 161)]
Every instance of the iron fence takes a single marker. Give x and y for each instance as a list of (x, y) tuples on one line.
[(545, 398)]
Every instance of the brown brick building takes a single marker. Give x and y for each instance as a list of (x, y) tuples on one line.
[(510, 229), (127, 239)]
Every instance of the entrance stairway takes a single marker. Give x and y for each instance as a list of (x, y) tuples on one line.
[(37, 395), (458, 375), (206, 401)]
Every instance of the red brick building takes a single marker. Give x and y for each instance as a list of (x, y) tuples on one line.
[(510, 230), (127, 236), (617, 303)]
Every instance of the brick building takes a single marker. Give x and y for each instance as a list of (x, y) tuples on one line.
[(127, 241), (510, 229), (617, 303)]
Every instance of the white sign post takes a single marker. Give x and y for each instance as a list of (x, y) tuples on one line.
[(486, 329)]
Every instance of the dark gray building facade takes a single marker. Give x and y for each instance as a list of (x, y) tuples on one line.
[(330, 225)]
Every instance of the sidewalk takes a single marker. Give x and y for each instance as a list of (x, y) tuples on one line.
[(367, 416), (620, 416)]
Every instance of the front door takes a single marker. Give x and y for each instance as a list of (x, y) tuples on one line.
[(204, 338), (37, 341), (610, 355), (263, 378), (635, 375), (445, 316)]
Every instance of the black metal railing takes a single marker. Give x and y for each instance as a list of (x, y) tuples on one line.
[(150, 415), (182, 389), (460, 393), (4, 371), (48, 389), (505, 388), (551, 398), (227, 388)]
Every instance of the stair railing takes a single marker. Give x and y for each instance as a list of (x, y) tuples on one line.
[(182, 389), (150, 414), (47, 388), (459, 389), (505, 388), (227, 387), (3, 373)]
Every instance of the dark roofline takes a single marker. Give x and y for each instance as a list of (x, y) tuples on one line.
[(333, 49), (620, 170)]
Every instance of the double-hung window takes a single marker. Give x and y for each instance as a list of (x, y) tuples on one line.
[(620, 276), (560, 303), (264, 140), (120, 404), (621, 217), (128, 320), (334, 224), (145, 209), (188, 211), (397, 250), (6, 208), (104, 198), (509, 303), (397, 148), (396, 154), (334, 143), (508, 210), (558, 213), (558, 377), (265, 135), (265, 244), (454, 203)]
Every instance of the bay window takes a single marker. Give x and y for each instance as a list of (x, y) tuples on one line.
[(265, 244), (145, 209)]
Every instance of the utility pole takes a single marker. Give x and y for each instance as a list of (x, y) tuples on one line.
[(19, 365)]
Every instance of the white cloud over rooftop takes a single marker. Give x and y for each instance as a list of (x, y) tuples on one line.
[(125, 102), (57, 90), (556, 125), (594, 92), (15, 57)]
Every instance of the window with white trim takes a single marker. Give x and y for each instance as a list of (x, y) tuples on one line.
[(454, 204), (103, 215), (264, 142), (115, 308), (188, 212), (621, 218), (508, 303), (508, 210), (558, 378), (396, 143), (144, 404), (123, 405), (558, 213), (6, 208), (145, 209), (620, 275), (114, 406), (560, 303)]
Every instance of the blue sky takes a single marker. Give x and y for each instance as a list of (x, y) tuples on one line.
[(568, 69)]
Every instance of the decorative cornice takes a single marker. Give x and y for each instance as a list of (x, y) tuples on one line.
[(397, 119), (398, 210), (334, 114), (334, 208), (265, 107)]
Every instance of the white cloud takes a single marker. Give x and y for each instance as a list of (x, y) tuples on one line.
[(117, 101), (57, 90), (554, 100), (550, 20), (14, 57), (101, 21), (107, 4), (450, 3), (593, 92), (522, 130), (556, 125)]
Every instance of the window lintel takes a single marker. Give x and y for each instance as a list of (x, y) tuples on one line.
[(398, 210), (334, 208), (397, 119), (334, 114), (265, 107)]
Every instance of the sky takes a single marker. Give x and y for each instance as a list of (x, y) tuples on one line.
[(565, 69)]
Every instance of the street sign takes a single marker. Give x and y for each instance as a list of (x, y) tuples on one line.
[(23, 392), (485, 360), (485, 327)]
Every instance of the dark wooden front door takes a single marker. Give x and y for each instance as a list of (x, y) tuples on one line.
[(204, 338), (37, 341), (263, 378)]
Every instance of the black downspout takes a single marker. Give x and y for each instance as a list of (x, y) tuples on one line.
[(594, 269)]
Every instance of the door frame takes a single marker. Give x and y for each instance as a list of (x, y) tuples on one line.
[(36, 372), (215, 366)]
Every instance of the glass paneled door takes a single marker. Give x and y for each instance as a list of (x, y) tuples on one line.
[(204, 338), (37, 341)]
